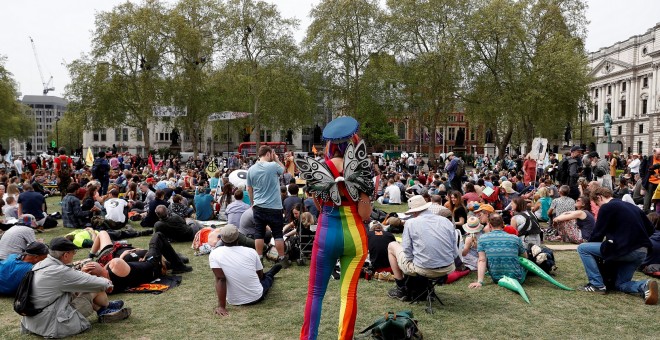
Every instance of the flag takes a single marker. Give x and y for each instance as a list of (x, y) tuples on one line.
[(8, 157), (151, 163), (314, 149), (211, 168), (89, 159)]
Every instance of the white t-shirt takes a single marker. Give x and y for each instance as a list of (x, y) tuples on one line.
[(240, 265), (394, 193), (114, 208), (634, 165)]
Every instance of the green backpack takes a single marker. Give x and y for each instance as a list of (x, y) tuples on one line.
[(395, 326)]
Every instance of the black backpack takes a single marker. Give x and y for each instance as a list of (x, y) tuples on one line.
[(23, 301), (460, 169)]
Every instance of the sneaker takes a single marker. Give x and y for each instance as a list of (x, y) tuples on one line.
[(111, 315), (651, 293), (115, 304), (184, 269), (275, 269), (145, 232), (284, 261), (398, 293), (593, 289)]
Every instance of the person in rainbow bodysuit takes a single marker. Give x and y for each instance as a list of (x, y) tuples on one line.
[(340, 232)]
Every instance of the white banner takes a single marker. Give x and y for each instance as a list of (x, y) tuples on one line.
[(227, 115), (169, 111), (539, 148)]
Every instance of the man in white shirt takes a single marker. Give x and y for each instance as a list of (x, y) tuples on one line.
[(114, 208), (634, 165), (18, 164), (239, 276), (392, 194)]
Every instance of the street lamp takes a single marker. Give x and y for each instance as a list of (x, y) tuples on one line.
[(406, 119), (582, 113), (57, 133)]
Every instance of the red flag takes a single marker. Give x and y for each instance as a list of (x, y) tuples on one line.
[(151, 164)]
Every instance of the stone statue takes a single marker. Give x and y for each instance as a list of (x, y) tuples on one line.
[(607, 120), (174, 137), (567, 133), (489, 136), (460, 137)]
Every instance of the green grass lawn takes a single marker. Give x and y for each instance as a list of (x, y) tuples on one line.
[(186, 312)]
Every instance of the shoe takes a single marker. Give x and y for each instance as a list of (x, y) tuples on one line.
[(111, 315), (385, 276), (398, 293), (651, 293), (183, 258), (115, 304), (284, 261), (184, 269), (146, 232), (593, 289)]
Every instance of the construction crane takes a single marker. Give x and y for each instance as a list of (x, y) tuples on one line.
[(48, 86)]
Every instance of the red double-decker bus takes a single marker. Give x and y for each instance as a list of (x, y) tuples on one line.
[(250, 148)]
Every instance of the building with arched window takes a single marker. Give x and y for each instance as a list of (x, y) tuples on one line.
[(626, 83)]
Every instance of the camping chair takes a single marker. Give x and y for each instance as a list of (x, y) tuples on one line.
[(424, 288)]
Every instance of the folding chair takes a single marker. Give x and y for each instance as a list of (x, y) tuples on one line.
[(425, 289)]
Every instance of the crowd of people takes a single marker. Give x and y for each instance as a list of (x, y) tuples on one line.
[(478, 217)]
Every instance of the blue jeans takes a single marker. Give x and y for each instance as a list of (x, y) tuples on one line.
[(626, 266)]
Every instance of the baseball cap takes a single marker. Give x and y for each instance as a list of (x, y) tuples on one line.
[(485, 207), (576, 148), (229, 233), (593, 154), (62, 244), (36, 248)]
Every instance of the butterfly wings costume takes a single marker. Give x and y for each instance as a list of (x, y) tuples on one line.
[(340, 234)]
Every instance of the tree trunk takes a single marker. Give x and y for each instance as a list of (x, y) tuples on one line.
[(502, 144), (147, 137), (257, 124)]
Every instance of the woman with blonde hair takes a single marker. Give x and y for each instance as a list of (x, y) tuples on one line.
[(542, 204)]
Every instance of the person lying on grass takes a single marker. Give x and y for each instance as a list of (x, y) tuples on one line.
[(126, 275)]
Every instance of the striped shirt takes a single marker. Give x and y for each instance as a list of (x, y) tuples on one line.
[(15, 240), (502, 251)]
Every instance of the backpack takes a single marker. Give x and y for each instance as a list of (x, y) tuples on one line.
[(460, 169), (531, 226), (23, 301), (399, 325), (65, 169)]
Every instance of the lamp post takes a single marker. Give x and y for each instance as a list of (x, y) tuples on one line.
[(406, 119), (57, 133), (582, 113)]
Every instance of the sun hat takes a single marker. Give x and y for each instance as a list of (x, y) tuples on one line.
[(472, 225), (485, 207), (340, 129), (508, 187), (229, 233), (417, 203)]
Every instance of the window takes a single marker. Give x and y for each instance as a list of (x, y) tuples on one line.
[(103, 136), (641, 128), (645, 82), (124, 135), (644, 105), (117, 135), (619, 130), (623, 108), (452, 133), (402, 131), (623, 86), (163, 136), (645, 50), (138, 135), (639, 146), (452, 118), (609, 108), (609, 89), (596, 112), (472, 135), (596, 93), (95, 136)]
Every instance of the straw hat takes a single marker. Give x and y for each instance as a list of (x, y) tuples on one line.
[(508, 187)]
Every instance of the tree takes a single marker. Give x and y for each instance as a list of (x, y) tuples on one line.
[(262, 74), (13, 114), (426, 34), (339, 42), (124, 77), (525, 65)]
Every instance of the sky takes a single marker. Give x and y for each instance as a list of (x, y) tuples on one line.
[(61, 31)]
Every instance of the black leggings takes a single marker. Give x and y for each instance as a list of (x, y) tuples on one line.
[(159, 247)]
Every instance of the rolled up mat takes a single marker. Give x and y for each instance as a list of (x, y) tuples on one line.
[(514, 285), (455, 275), (532, 267)]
